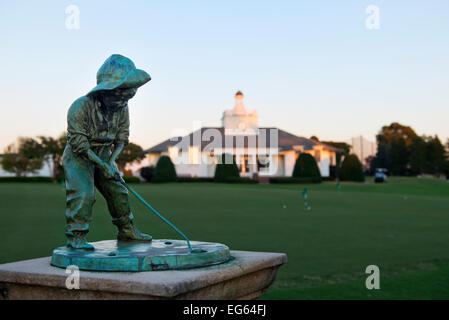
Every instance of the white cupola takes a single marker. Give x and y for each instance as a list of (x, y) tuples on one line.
[(238, 120)]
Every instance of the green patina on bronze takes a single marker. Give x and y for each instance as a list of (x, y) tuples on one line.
[(97, 131), (158, 255)]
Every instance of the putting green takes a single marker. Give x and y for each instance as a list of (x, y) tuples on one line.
[(400, 226)]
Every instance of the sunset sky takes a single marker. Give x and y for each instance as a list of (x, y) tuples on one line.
[(308, 67)]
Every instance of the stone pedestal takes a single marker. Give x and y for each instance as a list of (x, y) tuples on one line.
[(246, 276)]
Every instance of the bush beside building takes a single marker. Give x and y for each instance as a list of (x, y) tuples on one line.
[(306, 168), (164, 171), (351, 169), (226, 170)]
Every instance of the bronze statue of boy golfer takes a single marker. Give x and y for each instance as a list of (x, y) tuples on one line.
[(97, 131)]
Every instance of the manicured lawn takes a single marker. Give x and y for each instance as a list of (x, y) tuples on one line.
[(401, 226)]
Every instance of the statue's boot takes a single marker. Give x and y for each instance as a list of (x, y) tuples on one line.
[(128, 232), (77, 240)]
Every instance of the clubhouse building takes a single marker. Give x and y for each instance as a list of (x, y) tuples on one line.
[(257, 151)]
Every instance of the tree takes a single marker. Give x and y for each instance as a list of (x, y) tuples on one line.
[(371, 160), (395, 131), (53, 150), (435, 156), (351, 169), (147, 173), (165, 170), (306, 167), (399, 156), (394, 144), (130, 153), (382, 159), (23, 158), (226, 169), (418, 156), (446, 163)]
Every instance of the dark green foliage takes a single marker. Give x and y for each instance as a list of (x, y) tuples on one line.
[(130, 153), (306, 167), (351, 169), (25, 157), (226, 169), (399, 157), (25, 179), (165, 170), (53, 149), (335, 173), (393, 132), (435, 156), (240, 180), (382, 159), (131, 179), (147, 173), (417, 156), (402, 152), (291, 180), (393, 152), (195, 179), (29, 154)]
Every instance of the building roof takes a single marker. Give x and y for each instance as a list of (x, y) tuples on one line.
[(286, 141)]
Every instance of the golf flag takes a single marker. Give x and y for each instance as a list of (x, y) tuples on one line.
[(304, 193)]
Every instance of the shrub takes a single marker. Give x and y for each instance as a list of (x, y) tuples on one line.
[(240, 180), (147, 173), (291, 180), (131, 179), (195, 179), (26, 179), (226, 169), (306, 167), (164, 171), (333, 173), (351, 169)]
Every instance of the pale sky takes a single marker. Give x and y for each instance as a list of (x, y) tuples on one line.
[(308, 67)]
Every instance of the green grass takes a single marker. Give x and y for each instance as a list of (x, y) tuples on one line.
[(401, 226)]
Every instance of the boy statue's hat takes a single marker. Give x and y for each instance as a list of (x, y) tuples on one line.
[(119, 72)]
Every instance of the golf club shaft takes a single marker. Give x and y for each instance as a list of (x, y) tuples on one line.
[(157, 213)]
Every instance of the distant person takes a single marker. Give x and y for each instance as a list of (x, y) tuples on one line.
[(98, 129)]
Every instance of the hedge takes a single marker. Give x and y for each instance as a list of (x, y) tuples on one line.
[(26, 179), (195, 179), (351, 169), (239, 180), (165, 170), (226, 169), (147, 173), (291, 180), (131, 179), (306, 167)]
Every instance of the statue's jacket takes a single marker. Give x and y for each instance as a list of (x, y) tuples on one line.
[(90, 125)]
